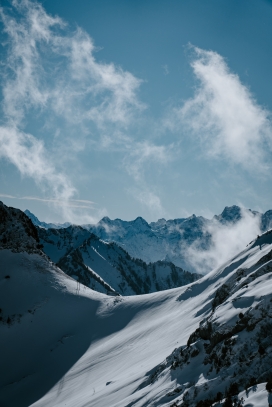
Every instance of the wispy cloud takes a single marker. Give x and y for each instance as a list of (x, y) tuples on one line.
[(138, 160), (29, 156), (165, 69), (51, 72), (144, 153), (65, 85), (73, 203), (224, 115), (227, 240)]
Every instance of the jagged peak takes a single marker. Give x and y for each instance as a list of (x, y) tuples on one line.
[(229, 214), (105, 219), (140, 220)]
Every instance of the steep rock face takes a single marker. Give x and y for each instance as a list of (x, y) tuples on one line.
[(106, 267), (266, 221), (17, 232)]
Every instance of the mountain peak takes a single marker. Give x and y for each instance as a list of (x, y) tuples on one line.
[(105, 219), (45, 225), (230, 214), (30, 214), (139, 219), (141, 223)]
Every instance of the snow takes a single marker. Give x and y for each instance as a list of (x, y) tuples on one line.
[(78, 338), (256, 396), (63, 344), (170, 239), (82, 254), (166, 239)]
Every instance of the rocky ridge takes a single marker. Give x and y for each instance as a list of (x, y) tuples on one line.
[(107, 267), (17, 232)]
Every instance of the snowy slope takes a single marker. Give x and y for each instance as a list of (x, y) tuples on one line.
[(66, 345), (231, 349), (106, 267), (123, 369)]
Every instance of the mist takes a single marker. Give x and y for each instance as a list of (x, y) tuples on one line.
[(227, 240)]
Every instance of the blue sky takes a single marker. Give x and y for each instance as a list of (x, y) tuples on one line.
[(135, 108)]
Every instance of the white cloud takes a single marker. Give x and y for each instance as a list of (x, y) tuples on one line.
[(23, 85), (75, 85), (145, 152), (51, 73), (117, 87), (29, 156), (225, 116), (227, 241)]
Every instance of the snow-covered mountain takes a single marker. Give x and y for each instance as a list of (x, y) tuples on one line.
[(45, 225), (230, 351), (162, 240), (170, 239), (106, 267), (63, 344)]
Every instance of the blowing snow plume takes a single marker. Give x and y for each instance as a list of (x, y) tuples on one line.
[(227, 240), (49, 72)]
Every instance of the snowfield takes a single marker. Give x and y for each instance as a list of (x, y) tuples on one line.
[(63, 344), (69, 341)]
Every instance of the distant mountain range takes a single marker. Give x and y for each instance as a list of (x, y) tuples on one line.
[(166, 240), (107, 267)]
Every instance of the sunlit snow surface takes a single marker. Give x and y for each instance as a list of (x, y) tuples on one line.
[(67, 345)]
